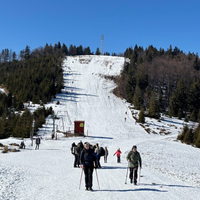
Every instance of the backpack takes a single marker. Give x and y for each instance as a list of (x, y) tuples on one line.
[(101, 151)]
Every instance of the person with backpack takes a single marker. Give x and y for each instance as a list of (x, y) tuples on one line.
[(106, 155), (134, 160), (88, 163), (97, 152), (79, 149), (118, 152), (76, 155)]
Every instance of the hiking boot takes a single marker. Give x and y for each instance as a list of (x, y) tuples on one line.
[(90, 189), (131, 180), (86, 188), (135, 183)]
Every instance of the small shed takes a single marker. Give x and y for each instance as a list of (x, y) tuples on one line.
[(79, 128)]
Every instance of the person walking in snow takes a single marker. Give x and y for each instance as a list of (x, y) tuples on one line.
[(79, 149), (76, 155), (88, 162), (134, 160), (22, 145), (106, 155), (118, 152), (97, 152), (37, 141)]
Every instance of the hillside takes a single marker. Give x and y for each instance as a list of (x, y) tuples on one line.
[(170, 169)]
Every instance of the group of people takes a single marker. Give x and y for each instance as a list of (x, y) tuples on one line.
[(89, 159), (37, 142), (77, 149)]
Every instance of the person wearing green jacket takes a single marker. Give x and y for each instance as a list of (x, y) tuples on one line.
[(134, 160)]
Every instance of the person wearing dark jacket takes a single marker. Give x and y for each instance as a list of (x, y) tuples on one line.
[(37, 141), (134, 160), (88, 162), (75, 153), (22, 145), (98, 156)]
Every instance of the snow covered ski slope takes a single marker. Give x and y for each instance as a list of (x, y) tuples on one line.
[(170, 169)]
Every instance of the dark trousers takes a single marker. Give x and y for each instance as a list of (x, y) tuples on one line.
[(37, 146), (98, 161), (88, 170), (76, 160), (133, 173), (105, 158), (118, 159)]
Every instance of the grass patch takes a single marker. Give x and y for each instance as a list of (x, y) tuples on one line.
[(5, 149), (148, 130)]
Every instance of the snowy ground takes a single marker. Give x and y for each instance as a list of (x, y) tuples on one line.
[(170, 169)]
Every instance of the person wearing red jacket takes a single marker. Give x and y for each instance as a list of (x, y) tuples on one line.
[(118, 152)]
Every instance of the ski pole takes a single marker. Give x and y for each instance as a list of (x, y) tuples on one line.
[(81, 179), (97, 178), (126, 174)]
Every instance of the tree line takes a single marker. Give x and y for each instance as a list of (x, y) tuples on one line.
[(158, 81)]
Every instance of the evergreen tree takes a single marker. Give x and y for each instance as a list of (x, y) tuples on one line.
[(180, 114), (130, 87), (59, 45), (181, 95), (79, 50), (197, 142), (27, 53), (173, 106), (141, 116), (194, 97), (142, 79), (14, 56), (188, 138), (137, 98), (193, 116), (87, 51), (64, 49), (152, 106), (182, 135), (97, 52), (196, 64), (72, 50)]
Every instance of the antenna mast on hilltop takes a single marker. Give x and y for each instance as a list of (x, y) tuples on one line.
[(102, 37)]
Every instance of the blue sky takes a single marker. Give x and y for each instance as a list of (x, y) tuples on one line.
[(123, 23)]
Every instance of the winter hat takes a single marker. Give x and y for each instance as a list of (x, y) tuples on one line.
[(134, 147)]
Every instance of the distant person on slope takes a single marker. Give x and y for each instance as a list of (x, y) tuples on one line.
[(37, 141), (118, 152), (134, 160), (88, 162)]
